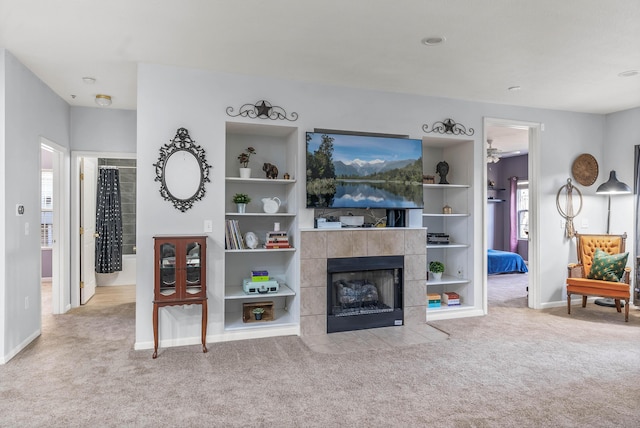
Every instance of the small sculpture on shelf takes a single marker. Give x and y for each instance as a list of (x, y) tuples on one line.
[(270, 170), (443, 169)]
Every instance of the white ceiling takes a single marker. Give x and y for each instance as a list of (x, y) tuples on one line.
[(564, 55)]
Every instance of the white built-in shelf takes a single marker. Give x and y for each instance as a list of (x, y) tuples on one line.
[(445, 186), (445, 246), (261, 180), (445, 215), (282, 318), (235, 292), (260, 250), (448, 280), (235, 214)]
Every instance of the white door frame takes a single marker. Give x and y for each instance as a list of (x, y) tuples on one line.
[(60, 293), (535, 129), (75, 214)]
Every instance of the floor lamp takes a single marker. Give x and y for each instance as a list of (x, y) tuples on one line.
[(611, 187)]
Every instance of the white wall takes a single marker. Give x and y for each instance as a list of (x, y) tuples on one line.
[(31, 111), (169, 98), (622, 134), (3, 207), (103, 130)]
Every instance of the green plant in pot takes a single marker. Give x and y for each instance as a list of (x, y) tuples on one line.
[(257, 312), (436, 268), (241, 200)]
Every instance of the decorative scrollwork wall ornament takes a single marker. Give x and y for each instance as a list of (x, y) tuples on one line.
[(448, 126), (182, 171), (263, 110)]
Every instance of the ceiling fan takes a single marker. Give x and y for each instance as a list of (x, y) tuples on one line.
[(493, 154)]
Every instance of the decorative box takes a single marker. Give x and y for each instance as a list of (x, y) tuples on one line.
[(248, 316)]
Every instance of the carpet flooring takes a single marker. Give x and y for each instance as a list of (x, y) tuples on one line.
[(515, 367)]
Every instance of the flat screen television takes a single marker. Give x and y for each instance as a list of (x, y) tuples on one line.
[(363, 171)]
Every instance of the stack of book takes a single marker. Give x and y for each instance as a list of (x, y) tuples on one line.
[(433, 300), (233, 236), (259, 275), (277, 239), (451, 298)]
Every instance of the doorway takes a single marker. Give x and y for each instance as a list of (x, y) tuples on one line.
[(511, 159), (54, 224), (81, 272)]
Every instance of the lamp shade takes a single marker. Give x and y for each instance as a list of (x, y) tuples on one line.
[(613, 186)]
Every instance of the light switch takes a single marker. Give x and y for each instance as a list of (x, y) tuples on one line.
[(26, 229), (208, 226)]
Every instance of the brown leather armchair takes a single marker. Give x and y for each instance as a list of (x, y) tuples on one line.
[(577, 278)]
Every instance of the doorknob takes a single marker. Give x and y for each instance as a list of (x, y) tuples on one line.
[(96, 235)]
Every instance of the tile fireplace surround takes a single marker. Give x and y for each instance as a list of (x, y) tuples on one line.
[(319, 245)]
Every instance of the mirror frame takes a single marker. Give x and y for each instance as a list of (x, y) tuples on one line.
[(182, 142)]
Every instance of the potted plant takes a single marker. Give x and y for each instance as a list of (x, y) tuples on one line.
[(257, 312), (241, 200), (436, 268), (243, 158)]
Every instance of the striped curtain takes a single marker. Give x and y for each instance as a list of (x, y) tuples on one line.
[(108, 222)]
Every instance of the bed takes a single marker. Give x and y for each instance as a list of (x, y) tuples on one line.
[(505, 262)]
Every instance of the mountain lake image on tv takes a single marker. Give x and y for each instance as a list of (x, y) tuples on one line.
[(362, 171)]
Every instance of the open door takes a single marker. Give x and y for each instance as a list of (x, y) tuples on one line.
[(88, 180)]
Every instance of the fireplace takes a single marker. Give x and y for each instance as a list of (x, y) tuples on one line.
[(364, 292)]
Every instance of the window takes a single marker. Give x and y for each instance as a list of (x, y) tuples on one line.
[(522, 197), (46, 208)]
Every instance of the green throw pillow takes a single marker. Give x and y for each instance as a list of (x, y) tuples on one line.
[(608, 267)]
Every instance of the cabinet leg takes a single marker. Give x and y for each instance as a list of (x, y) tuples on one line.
[(204, 326), (155, 330)]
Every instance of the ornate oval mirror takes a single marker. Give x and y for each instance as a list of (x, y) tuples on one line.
[(182, 171)]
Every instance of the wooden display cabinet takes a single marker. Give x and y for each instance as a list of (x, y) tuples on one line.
[(180, 277)]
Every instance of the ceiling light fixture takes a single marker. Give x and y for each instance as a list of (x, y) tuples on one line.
[(492, 154), (89, 80), (103, 100), (433, 40)]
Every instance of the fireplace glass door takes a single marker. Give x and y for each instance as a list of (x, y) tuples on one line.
[(364, 292)]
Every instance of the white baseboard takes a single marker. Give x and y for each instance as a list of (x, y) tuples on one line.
[(5, 358)]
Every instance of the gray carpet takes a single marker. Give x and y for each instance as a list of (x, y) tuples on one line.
[(514, 367)]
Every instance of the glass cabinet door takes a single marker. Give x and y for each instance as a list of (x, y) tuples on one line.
[(167, 269), (193, 267)]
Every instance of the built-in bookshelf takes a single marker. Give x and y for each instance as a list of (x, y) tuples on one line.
[(277, 145)]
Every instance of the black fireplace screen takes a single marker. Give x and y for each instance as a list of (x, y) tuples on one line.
[(364, 292)]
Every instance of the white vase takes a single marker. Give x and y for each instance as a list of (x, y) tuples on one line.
[(241, 208), (245, 172), (437, 276)]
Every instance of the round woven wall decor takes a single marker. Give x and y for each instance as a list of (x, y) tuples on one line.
[(585, 169)]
